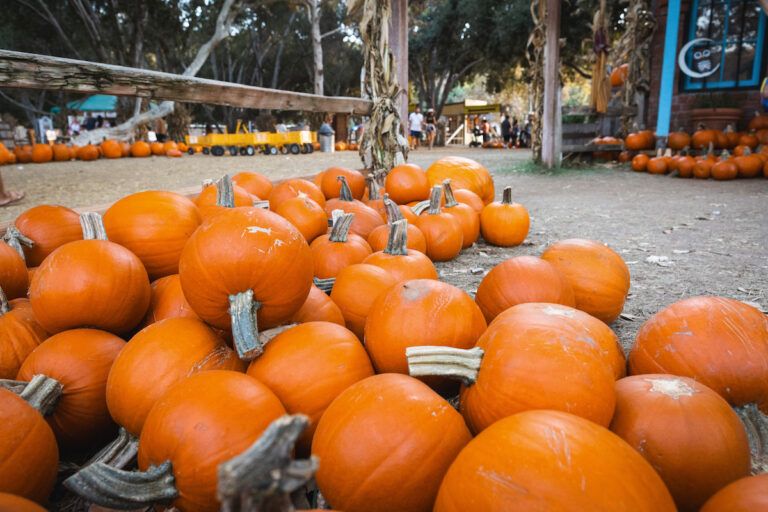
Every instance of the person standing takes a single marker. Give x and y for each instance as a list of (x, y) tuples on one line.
[(485, 128), (431, 126), (415, 121), (506, 130)]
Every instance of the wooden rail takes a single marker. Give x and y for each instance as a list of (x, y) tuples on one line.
[(31, 71)]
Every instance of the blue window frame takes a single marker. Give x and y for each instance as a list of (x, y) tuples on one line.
[(737, 30)]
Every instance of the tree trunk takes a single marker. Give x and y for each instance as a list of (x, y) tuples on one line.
[(313, 8)]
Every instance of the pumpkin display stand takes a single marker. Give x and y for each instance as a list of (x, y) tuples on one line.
[(715, 118)]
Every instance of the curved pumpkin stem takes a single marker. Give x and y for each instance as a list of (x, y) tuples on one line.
[(264, 475), (4, 306), (393, 211), (93, 226), (345, 194), (756, 425), (17, 241), (454, 363), (115, 488), (225, 192), (341, 225), (450, 201), (326, 284), (119, 453), (374, 189), (245, 328), (421, 207), (506, 196), (397, 242), (434, 200), (42, 392)]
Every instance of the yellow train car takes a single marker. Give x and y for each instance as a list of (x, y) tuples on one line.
[(247, 143)]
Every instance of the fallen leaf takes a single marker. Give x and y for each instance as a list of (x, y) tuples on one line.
[(662, 261), (627, 316)]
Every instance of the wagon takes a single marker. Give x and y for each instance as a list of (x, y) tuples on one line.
[(241, 142), (292, 142)]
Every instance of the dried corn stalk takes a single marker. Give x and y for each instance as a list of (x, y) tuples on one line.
[(601, 86), (535, 56)]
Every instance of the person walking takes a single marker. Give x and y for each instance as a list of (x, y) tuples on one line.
[(415, 121), (431, 127), (485, 128), (506, 130)]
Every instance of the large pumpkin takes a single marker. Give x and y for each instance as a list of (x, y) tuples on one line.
[(666, 419), (505, 223), (745, 495), (386, 443), (158, 357), (167, 301), (14, 278), (308, 366), (318, 307), (154, 225), (551, 460), (366, 218), (256, 184), (442, 231), (13, 503), (20, 334), (402, 263), (80, 361), (406, 183), (308, 216), (331, 185), (355, 292), (597, 274), (463, 173), (720, 342), (338, 249), (49, 227)]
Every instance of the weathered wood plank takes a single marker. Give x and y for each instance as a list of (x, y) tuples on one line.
[(31, 71), (551, 128)]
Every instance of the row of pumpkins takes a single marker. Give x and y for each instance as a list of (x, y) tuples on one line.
[(547, 418), (44, 153)]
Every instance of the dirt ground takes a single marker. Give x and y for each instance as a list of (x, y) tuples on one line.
[(679, 237)]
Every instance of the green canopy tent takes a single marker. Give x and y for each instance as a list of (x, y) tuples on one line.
[(95, 103)]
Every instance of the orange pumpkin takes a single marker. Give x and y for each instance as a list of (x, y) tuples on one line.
[(467, 197), (111, 149), (625, 156), (374, 196), (338, 249), (356, 289), (340, 146), (748, 165), (291, 188), (366, 218), (168, 301), (689, 337), (308, 366), (685, 165), (61, 153), (725, 169), (442, 231), (331, 185), (125, 148), (463, 173), (467, 217), (256, 184), (678, 140), (378, 430), (406, 183), (14, 278), (20, 334), (745, 495), (561, 472), (157, 148), (619, 75), (402, 263), (702, 169), (732, 137), (173, 153), (749, 140), (702, 138), (13, 503), (42, 153), (379, 236), (640, 140), (664, 418), (504, 223), (170, 145), (759, 121), (306, 215), (318, 307), (88, 153), (49, 227), (640, 163), (207, 200), (658, 164), (140, 149)]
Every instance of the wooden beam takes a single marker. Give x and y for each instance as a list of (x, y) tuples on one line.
[(30, 71), (551, 154), (398, 41)]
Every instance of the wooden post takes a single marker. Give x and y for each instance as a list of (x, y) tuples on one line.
[(552, 123), (398, 41)]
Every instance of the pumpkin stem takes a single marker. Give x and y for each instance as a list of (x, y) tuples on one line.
[(397, 242), (93, 226), (245, 328), (421, 207), (326, 284), (374, 189), (345, 194), (4, 306), (455, 363), (756, 425), (42, 392), (225, 192), (450, 201), (393, 211), (264, 475), (119, 453), (110, 487), (506, 196), (434, 200), (340, 229), (17, 241)]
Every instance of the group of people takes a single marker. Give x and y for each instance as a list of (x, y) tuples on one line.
[(513, 135), (422, 126)]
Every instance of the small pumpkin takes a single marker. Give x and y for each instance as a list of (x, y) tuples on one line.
[(14, 278), (318, 307), (306, 215), (702, 138), (504, 223), (406, 183), (640, 163), (732, 137), (748, 165), (678, 140), (442, 231), (331, 185), (256, 184), (374, 196), (749, 140), (402, 263), (210, 202), (658, 164), (49, 227), (88, 153), (174, 153), (379, 236), (366, 219), (355, 291), (170, 145), (291, 188), (759, 121), (725, 169), (463, 173), (340, 146), (167, 301), (140, 149), (468, 218), (157, 148), (619, 75), (42, 153), (747, 494), (685, 165), (20, 334), (111, 149), (703, 169), (338, 249), (625, 156)]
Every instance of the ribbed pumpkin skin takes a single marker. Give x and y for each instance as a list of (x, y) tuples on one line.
[(414, 265), (386, 441), (49, 227), (256, 184), (292, 188), (579, 324), (308, 366), (444, 235), (27, 448), (469, 221), (504, 225), (158, 357), (599, 277), (689, 338), (80, 360), (20, 334), (520, 280), (528, 366), (154, 225), (241, 249), (356, 289), (168, 301), (306, 215), (541, 461), (13, 503), (206, 200), (406, 183), (379, 236), (469, 198), (329, 258), (14, 278), (93, 283), (331, 187), (463, 173), (686, 431), (202, 422), (366, 218), (420, 312), (745, 495), (318, 307)]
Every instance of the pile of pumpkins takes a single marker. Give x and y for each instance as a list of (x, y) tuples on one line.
[(195, 326), (342, 146), (44, 153)]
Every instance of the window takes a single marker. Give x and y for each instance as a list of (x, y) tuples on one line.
[(736, 30)]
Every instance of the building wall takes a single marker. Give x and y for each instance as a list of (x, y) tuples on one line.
[(683, 102)]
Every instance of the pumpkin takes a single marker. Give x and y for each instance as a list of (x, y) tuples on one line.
[(374, 196), (678, 140), (658, 164), (42, 153), (246, 259), (23, 154), (356, 289), (167, 301), (570, 464), (92, 282), (406, 183), (376, 432), (292, 188), (625, 156), (125, 149), (306, 215), (111, 149), (20, 334), (744, 495), (442, 231), (619, 75), (154, 225), (338, 249), (308, 366), (702, 138), (520, 280), (468, 218), (28, 450), (504, 223), (13, 503), (640, 140), (170, 145), (748, 165), (49, 227), (402, 263), (88, 153), (732, 137), (749, 140), (318, 307), (685, 165), (207, 201), (173, 153), (340, 146), (14, 278), (598, 276), (331, 185), (379, 236), (665, 418), (467, 197), (765, 170), (140, 149), (762, 136), (5, 155), (317, 179), (759, 121), (80, 361), (463, 173), (721, 139), (689, 338), (640, 163), (157, 148), (256, 184), (155, 359), (703, 168), (366, 218), (725, 169)]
